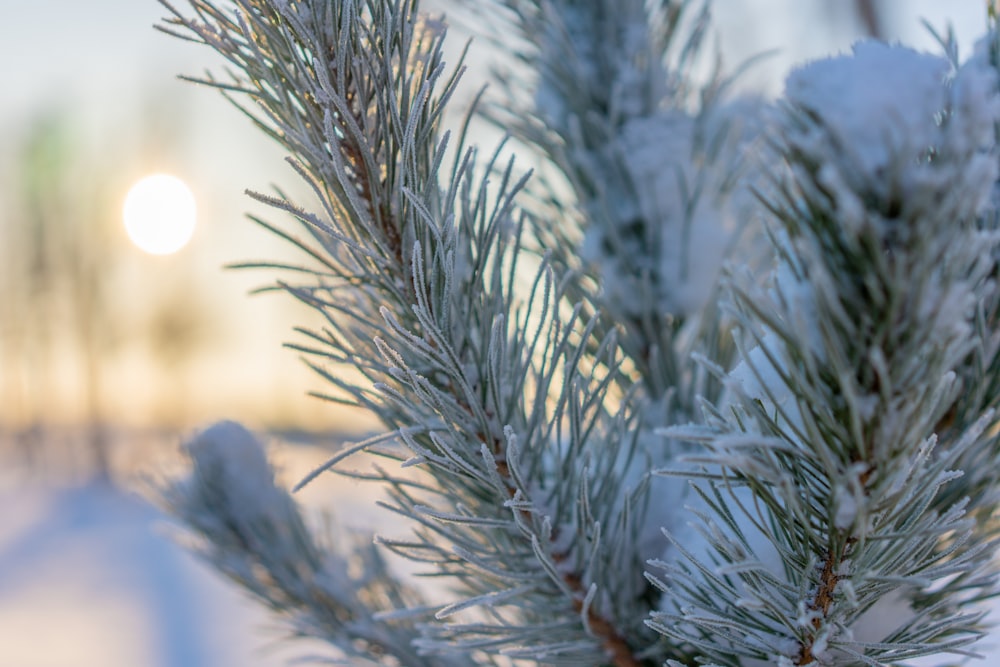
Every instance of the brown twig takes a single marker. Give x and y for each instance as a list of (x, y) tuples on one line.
[(828, 581), (378, 211), (821, 603), (870, 17)]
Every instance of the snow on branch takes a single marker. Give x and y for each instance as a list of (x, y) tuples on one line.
[(842, 545)]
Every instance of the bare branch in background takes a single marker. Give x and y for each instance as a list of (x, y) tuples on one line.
[(870, 14)]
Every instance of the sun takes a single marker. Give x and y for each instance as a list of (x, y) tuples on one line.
[(159, 214)]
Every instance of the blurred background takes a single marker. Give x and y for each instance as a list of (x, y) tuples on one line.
[(110, 353), (100, 340)]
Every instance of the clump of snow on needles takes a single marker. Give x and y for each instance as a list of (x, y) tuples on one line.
[(881, 98), (890, 128), (229, 458), (685, 201)]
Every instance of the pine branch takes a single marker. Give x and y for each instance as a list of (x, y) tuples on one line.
[(651, 159), (845, 495), (497, 385), (252, 531)]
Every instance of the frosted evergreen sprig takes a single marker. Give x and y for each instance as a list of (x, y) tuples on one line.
[(652, 191), (525, 512), (654, 164), (648, 196), (253, 532), (831, 513), (980, 374)]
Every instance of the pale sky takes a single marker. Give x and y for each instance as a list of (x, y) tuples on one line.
[(809, 29)]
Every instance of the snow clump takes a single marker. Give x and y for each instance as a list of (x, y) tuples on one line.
[(892, 131)]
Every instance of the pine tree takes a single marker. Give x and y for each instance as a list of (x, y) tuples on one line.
[(719, 389)]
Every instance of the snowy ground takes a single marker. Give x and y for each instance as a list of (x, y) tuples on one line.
[(91, 577), (88, 579)]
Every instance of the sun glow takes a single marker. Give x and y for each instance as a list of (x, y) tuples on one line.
[(159, 214)]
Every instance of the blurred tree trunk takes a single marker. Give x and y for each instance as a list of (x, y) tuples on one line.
[(61, 247)]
